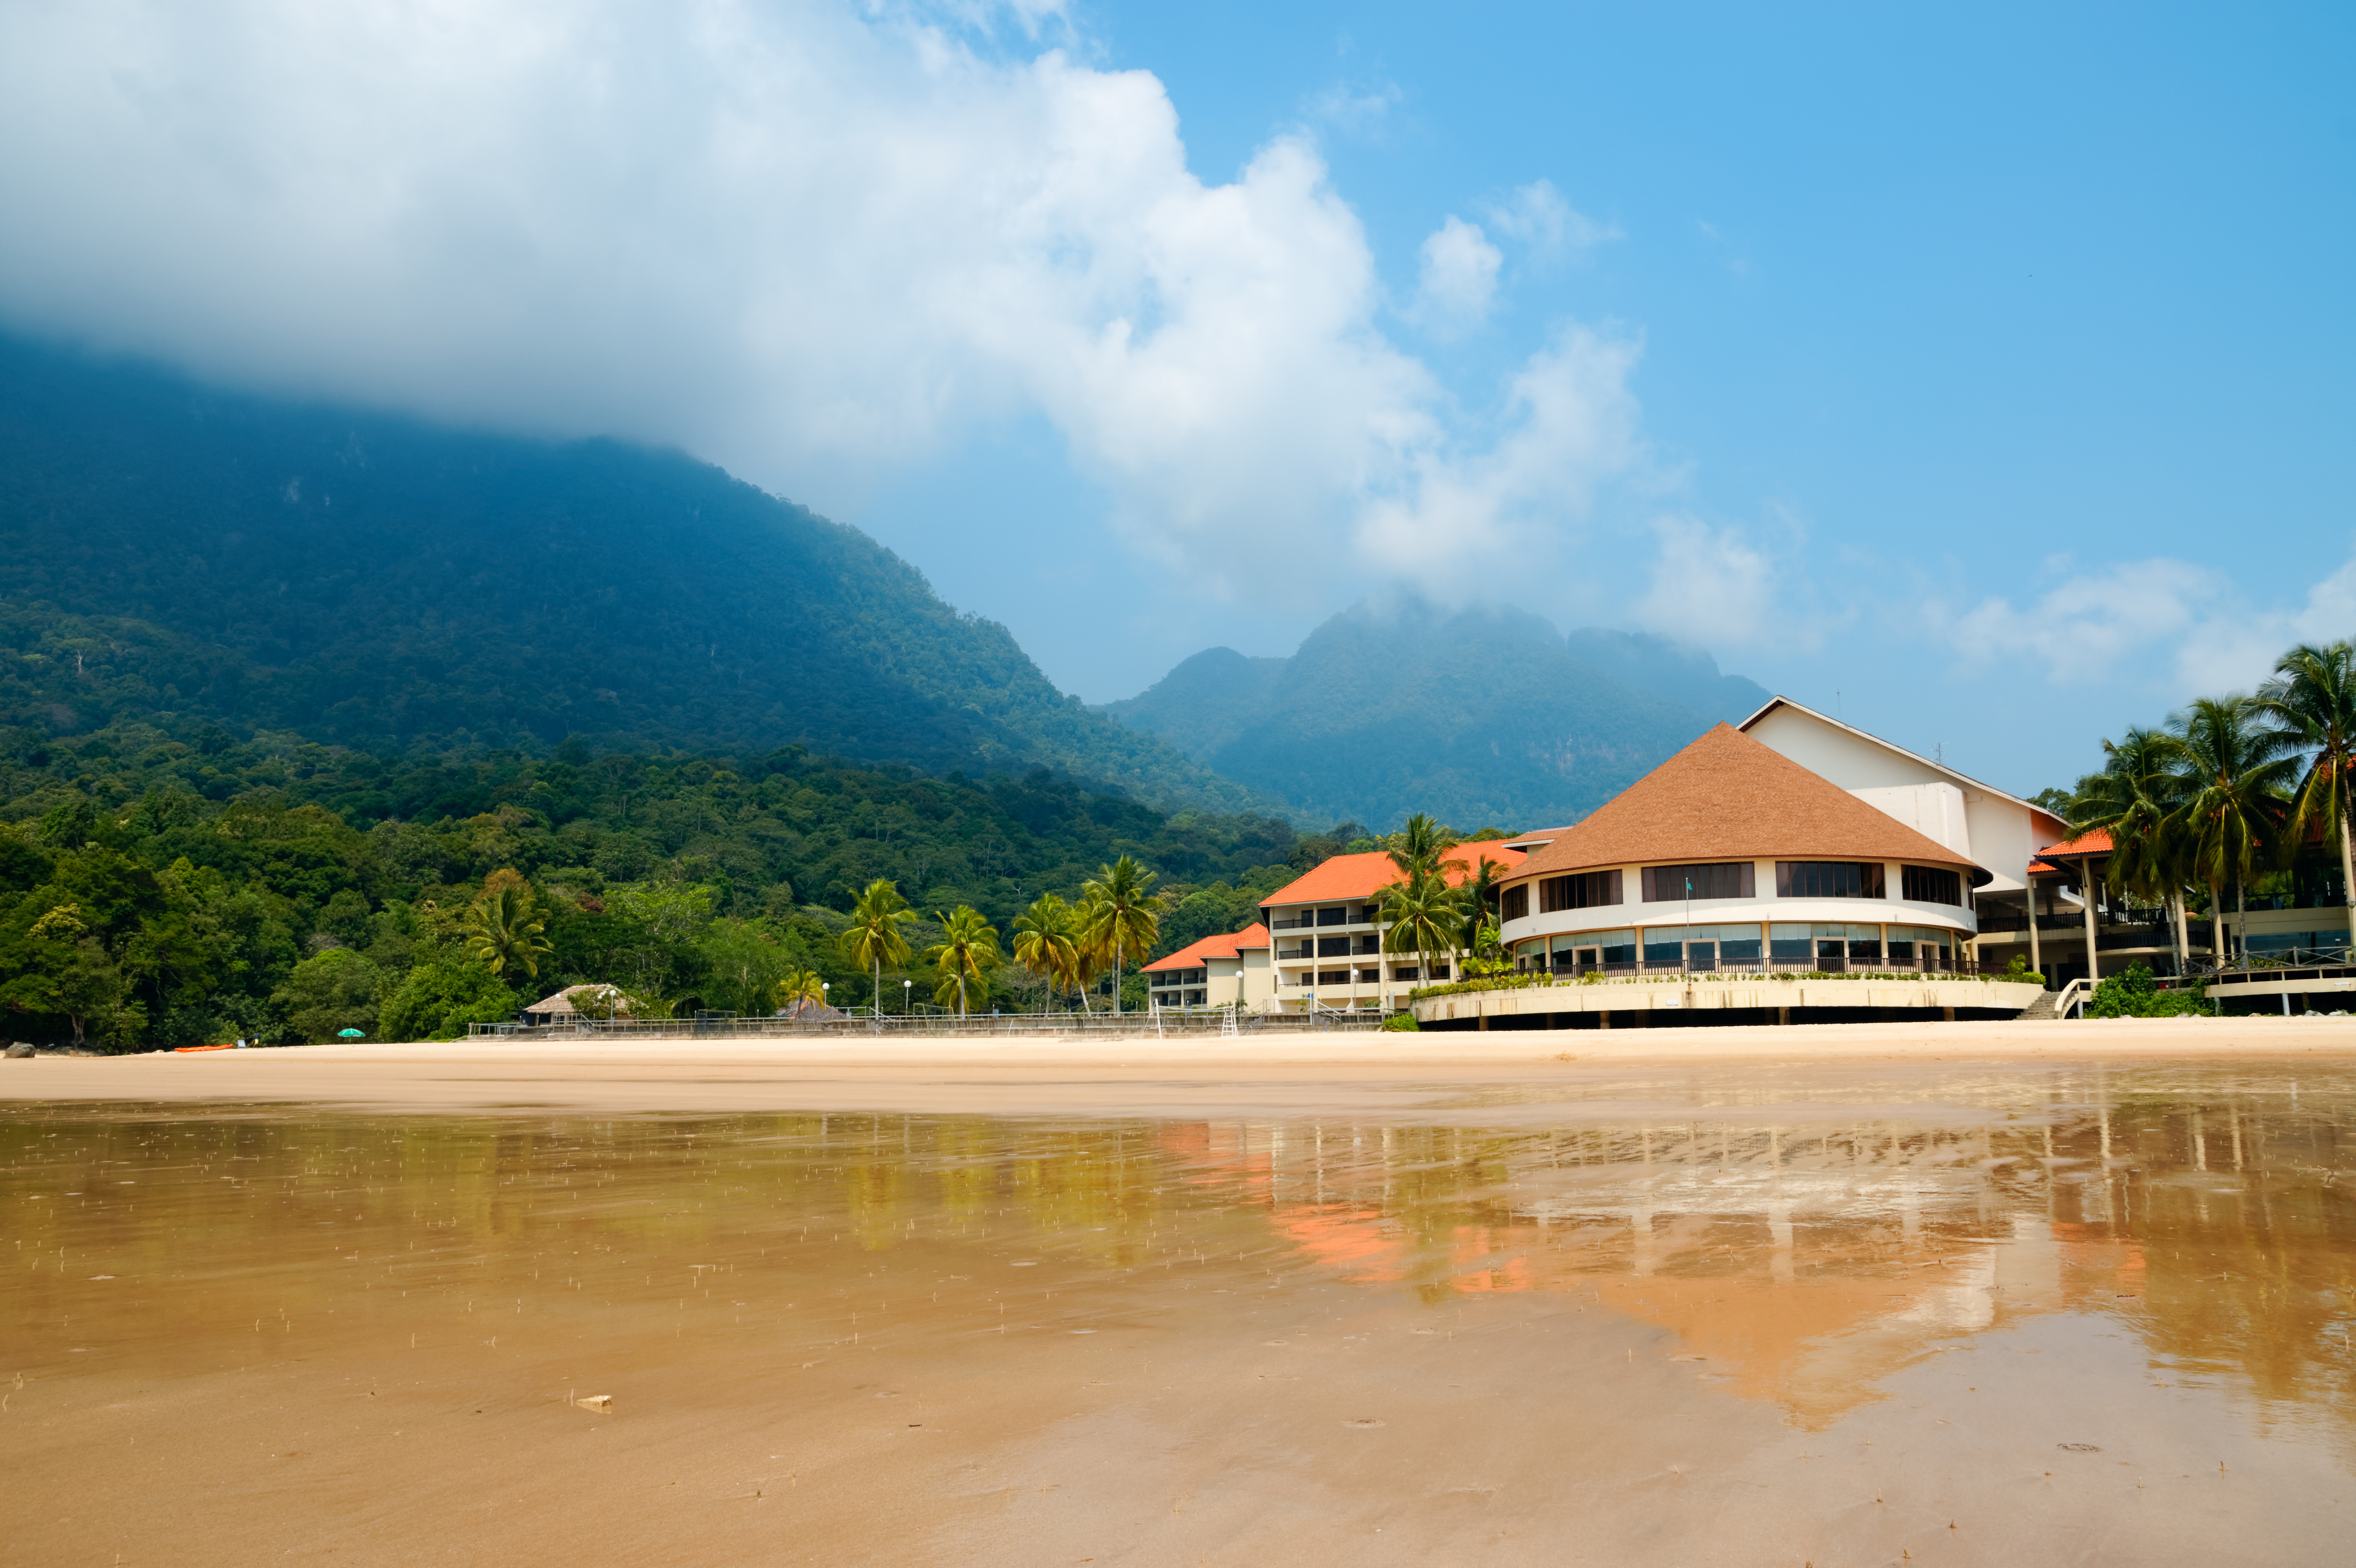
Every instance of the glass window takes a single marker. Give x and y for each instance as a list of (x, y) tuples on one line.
[(1332, 947), (1670, 951), (1516, 904), (1828, 879), (1337, 916), (1932, 885), (1722, 880), (1332, 977), (1590, 890)]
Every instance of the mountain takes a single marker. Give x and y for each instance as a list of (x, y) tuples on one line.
[(1686, 676), (193, 556), (1483, 715)]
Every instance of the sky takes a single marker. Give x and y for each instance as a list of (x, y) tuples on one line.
[(1981, 374)]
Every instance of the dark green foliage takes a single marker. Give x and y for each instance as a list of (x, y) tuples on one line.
[(1483, 714), (2133, 995), (1403, 1021), (437, 1000), (198, 875), (244, 567), (329, 992)]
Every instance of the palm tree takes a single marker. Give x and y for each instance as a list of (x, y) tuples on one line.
[(1480, 897), (1418, 846), (1045, 940), (875, 937), (1124, 915), (2135, 798), (2312, 698), (1422, 914), (968, 951), (501, 929), (2236, 776), (1088, 955), (799, 986)]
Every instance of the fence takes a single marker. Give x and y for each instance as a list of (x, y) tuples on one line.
[(1164, 1022)]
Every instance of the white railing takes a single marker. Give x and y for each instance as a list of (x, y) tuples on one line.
[(2073, 994)]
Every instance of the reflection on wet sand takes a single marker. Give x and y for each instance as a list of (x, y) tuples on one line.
[(1806, 1255)]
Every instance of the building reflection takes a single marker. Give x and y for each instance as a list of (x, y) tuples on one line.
[(1804, 1252)]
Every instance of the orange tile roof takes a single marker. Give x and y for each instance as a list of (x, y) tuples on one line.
[(1228, 945), (1361, 876), (2097, 841), (1726, 797)]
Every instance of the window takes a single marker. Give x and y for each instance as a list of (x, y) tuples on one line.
[(1725, 879), (1589, 891), (1337, 916), (1332, 977), (1828, 879), (1515, 903), (1369, 913), (1932, 885), (1370, 977), (1367, 942), (1332, 947)]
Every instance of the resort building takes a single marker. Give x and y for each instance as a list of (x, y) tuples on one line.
[(1732, 857), (1218, 972), (1329, 934)]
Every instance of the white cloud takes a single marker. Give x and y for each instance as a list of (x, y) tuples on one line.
[(1538, 215), (807, 239), (1459, 278), (1715, 588), (1570, 424), (2188, 622)]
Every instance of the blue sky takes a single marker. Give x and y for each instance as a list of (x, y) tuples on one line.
[(1983, 373)]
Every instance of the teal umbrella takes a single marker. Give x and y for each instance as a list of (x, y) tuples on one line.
[(351, 1034)]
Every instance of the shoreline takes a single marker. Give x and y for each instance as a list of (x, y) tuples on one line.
[(1358, 1074)]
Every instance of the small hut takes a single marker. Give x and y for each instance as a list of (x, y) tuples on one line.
[(580, 1002), (809, 1010)]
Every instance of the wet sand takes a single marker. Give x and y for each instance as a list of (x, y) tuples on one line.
[(1978, 1304)]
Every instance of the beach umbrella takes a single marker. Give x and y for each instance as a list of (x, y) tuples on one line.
[(351, 1034)]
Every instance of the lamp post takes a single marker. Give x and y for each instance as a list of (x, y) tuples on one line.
[(907, 1001)]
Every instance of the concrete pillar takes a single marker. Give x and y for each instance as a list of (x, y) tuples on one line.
[(2036, 958), (1783, 1015), (2086, 891), (1485, 1019), (1604, 1019)]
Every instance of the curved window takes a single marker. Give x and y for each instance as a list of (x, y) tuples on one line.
[(1725, 879), (1515, 903), (1932, 885), (1593, 890), (1828, 879)]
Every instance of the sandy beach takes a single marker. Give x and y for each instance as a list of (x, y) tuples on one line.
[(1976, 1294), (1013, 1075)]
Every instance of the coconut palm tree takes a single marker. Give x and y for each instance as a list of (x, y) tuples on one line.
[(2236, 773), (799, 986), (1423, 915), (874, 937), (1046, 940), (1480, 904), (1122, 915), (1417, 847), (966, 954), (2312, 699), (501, 928), (2135, 798)]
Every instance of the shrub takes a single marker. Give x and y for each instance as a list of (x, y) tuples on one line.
[(437, 1001), (328, 993), (1404, 1021), (2133, 995)]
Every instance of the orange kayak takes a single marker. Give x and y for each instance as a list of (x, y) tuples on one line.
[(184, 1050)]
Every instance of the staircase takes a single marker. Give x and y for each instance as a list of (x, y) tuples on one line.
[(2059, 1004), (2041, 1008)]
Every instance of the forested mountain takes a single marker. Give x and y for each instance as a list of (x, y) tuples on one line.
[(1485, 715), (183, 555)]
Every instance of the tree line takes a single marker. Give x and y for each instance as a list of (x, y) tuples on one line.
[(2232, 791), (162, 888)]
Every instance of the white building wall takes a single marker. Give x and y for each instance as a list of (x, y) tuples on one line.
[(1993, 831)]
